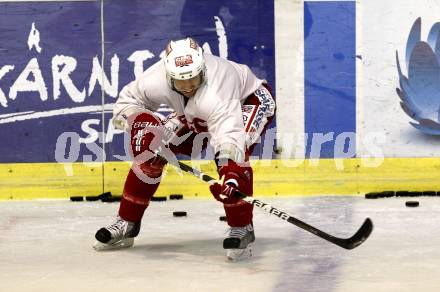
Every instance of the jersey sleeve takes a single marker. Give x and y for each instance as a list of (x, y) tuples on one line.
[(132, 98), (249, 82)]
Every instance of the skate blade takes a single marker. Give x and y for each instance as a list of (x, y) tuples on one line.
[(125, 243), (235, 254)]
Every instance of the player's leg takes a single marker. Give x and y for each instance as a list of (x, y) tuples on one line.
[(258, 112), (241, 235), (141, 183), (136, 195)]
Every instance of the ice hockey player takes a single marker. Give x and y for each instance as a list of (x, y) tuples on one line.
[(210, 96)]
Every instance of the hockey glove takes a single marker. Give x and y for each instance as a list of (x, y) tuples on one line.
[(147, 135), (174, 127), (233, 177)]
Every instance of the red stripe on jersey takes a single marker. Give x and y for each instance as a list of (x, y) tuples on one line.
[(251, 119)]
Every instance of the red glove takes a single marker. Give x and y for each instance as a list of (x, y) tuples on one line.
[(146, 136), (234, 177)]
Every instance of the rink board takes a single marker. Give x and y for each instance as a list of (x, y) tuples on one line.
[(343, 85), (271, 178)]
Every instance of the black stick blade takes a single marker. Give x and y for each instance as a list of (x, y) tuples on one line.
[(359, 237)]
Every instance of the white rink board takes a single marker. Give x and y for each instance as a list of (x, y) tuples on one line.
[(47, 246), (384, 28)]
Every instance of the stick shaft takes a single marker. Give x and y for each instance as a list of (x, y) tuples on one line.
[(348, 243)]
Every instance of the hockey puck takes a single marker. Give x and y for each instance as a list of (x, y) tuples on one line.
[(176, 197), (92, 198), (222, 218), (179, 214), (158, 199), (111, 199), (371, 196), (77, 199), (402, 194), (430, 193), (386, 194), (105, 195), (414, 194), (412, 204), (380, 195)]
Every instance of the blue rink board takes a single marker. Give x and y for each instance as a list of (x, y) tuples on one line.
[(329, 72)]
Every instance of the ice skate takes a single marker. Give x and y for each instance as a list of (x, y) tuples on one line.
[(120, 234), (239, 242)]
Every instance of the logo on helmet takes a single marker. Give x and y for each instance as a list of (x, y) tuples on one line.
[(183, 60)]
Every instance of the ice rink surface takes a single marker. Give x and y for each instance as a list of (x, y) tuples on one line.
[(47, 246)]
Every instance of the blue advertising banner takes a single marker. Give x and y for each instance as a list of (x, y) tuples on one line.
[(330, 76), (58, 82), (46, 85)]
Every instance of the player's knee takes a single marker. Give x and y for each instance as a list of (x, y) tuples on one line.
[(153, 168)]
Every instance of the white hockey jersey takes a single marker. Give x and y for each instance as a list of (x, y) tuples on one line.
[(215, 108)]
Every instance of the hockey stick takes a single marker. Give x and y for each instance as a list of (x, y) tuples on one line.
[(348, 243)]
